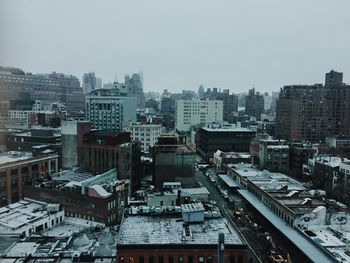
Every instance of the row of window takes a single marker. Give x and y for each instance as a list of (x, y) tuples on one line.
[(176, 259)]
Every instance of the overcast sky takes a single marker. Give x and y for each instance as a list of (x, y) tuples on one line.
[(180, 44)]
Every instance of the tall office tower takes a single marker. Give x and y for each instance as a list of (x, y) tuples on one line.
[(196, 111), (254, 104), (135, 89), (47, 88), (313, 112), (108, 109), (167, 103), (201, 91), (230, 105), (90, 82), (333, 78)]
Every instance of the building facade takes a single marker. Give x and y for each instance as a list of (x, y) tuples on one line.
[(107, 109), (172, 161), (223, 137), (147, 134), (196, 111), (274, 155), (18, 169), (44, 87), (254, 104), (99, 198), (313, 112)]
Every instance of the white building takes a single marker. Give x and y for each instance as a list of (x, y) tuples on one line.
[(344, 168), (196, 111), (29, 216), (146, 133)]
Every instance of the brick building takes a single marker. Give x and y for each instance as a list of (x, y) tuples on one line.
[(18, 169), (172, 240), (313, 112), (99, 198), (100, 151)]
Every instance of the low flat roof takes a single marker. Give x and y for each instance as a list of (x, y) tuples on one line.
[(160, 230), (195, 191), (230, 129), (229, 181), (309, 248), (192, 207)]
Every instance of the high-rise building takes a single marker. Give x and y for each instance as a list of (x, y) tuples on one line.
[(314, 112), (90, 82), (334, 78), (196, 111), (46, 88), (254, 104), (134, 86), (109, 109)]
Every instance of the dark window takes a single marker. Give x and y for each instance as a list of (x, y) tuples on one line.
[(170, 259), (190, 259), (210, 260), (151, 259), (141, 259), (161, 259), (232, 259)]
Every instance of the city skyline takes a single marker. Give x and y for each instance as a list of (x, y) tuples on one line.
[(178, 46)]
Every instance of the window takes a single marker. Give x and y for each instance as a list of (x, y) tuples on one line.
[(181, 259), (161, 259), (131, 260), (170, 259), (151, 259), (121, 260), (210, 260), (232, 259), (141, 259), (200, 259), (190, 259)]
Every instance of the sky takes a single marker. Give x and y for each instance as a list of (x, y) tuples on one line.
[(180, 44)]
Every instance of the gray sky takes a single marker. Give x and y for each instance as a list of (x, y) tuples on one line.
[(180, 44)]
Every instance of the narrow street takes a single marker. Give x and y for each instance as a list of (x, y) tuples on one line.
[(222, 205)]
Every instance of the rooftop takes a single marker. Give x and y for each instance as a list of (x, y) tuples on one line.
[(192, 207), (152, 230), (14, 157), (195, 191), (25, 212), (309, 248)]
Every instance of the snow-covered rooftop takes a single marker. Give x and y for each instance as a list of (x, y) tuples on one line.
[(14, 157), (152, 230), (308, 247)]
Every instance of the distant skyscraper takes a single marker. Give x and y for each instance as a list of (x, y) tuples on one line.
[(334, 78), (201, 91), (135, 89), (254, 104), (90, 82)]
